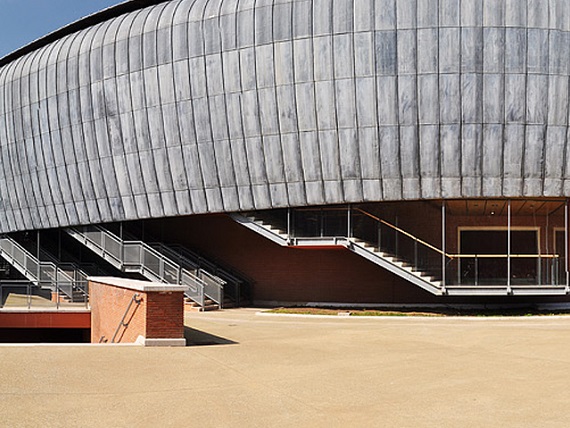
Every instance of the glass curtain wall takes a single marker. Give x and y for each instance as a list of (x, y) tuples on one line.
[(506, 242)]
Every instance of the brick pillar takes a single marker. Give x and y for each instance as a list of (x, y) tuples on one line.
[(130, 311)]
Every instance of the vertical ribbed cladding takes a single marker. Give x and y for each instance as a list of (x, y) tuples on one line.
[(196, 106)]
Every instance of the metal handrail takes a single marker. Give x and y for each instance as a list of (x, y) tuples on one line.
[(403, 232), (160, 271), (27, 257), (452, 255), (136, 299), (505, 256)]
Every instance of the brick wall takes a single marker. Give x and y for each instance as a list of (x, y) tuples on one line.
[(281, 274), (163, 314), (288, 274), (158, 315)]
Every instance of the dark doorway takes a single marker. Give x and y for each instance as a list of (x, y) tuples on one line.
[(45, 335)]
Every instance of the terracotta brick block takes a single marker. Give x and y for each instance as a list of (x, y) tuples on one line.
[(129, 311)]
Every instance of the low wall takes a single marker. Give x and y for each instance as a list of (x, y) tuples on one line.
[(44, 318), (131, 311)]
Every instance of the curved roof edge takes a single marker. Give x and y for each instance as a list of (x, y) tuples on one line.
[(80, 24)]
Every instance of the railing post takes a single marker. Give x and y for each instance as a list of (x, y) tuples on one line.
[(396, 239), (566, 247), (38, 253), (476, 270), (288, 224), (29, 293), (416, 254), (509, 247), (57, 289), (443, 261), (349, 222)]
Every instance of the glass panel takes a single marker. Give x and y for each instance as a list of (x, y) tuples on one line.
[(477, 240), (320, 222), (485, 253)]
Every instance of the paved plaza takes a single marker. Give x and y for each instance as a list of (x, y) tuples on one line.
[(251, 370)]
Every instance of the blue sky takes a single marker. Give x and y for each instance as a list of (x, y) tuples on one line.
[(22, 21)]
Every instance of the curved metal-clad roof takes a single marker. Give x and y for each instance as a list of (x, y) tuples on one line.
[(163, 108)]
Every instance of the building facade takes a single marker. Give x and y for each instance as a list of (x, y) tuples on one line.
[(380, 151)]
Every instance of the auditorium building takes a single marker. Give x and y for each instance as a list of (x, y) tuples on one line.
[(370, 152)]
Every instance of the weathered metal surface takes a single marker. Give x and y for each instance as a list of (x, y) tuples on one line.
[(196, 106)]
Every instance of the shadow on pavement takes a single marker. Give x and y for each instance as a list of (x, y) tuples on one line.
[(200, 338)]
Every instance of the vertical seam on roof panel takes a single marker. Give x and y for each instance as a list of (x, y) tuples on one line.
[(241, 121), (544, 130), (177, 116), (217, 160), (335, 101), (44, 130), (438, 124), (69, 71), (37, 139), (22, 151), (275, 92), (297, 132), (254, 50), (144, 107), (65, 90), (122, 154), (482, 101), (397, 101), (167, 167), (209, 107), (5, 162), (230, 162), (461, 110), (11, 134), (198, 166), (129, 74), (525, 112), (376, 98), (111, 175), (238, 50), (95, 147), (504, 102), (316, 130), (417, 160), (81, 129), (56, 130)]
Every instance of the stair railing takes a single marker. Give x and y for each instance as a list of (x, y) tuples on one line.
[(547, 266), (149, 262), (36, 271)]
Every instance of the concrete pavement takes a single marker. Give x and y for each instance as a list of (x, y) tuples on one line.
[(247, 370)]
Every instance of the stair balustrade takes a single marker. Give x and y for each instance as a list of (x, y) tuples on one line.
[(42, 273), (139, 257)]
